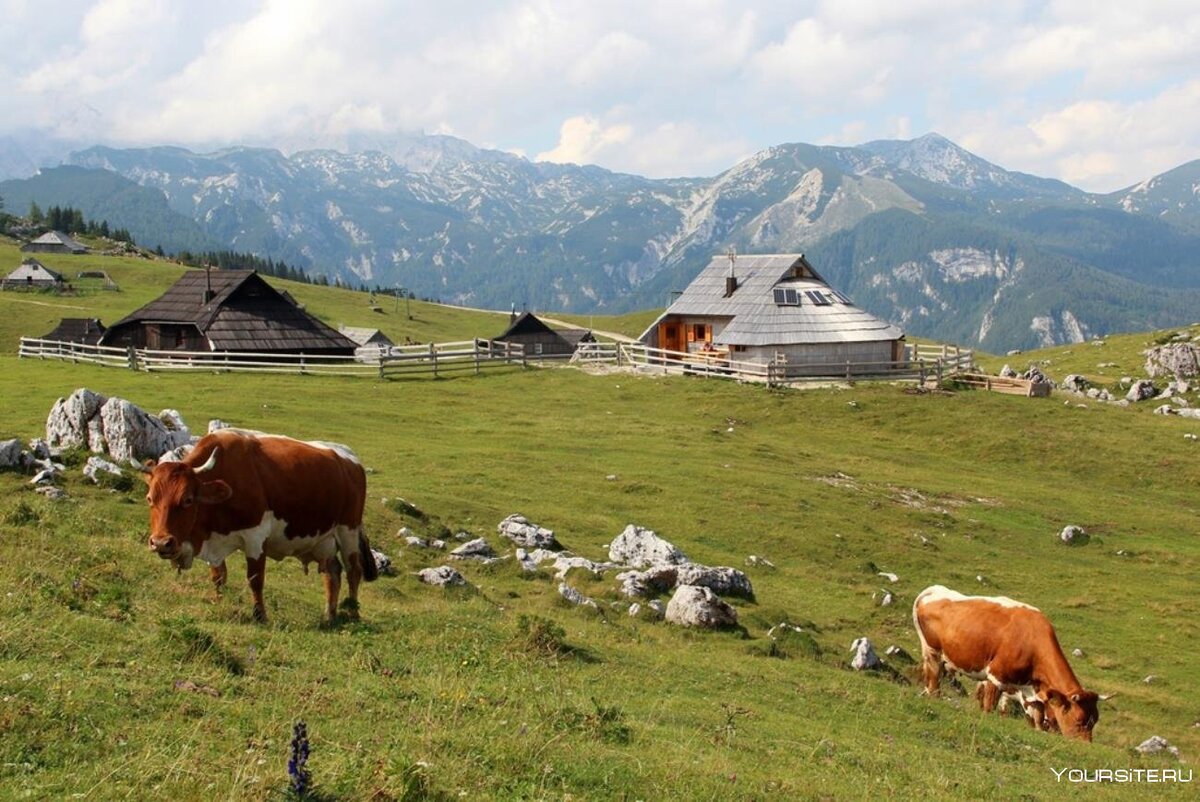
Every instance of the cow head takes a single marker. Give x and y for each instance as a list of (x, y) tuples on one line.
[(1076, 713), (177, 493)]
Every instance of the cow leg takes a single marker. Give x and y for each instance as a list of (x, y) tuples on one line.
[(218, 574), (988, 694), (256, 570), (354, 575), (331, 572), (931, 671)]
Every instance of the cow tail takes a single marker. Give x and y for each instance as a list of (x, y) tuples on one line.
[(370, 569)]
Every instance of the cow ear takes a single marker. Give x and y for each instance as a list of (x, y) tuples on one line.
[(1075, 698), (214, 492)]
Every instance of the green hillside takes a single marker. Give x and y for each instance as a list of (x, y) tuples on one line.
[(141, 280)]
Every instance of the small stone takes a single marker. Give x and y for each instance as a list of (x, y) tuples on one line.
[(442, 576), (890, 577), (416, 542), (1073, 535), (887, 599), (477, 549), (383, 563), (521, 531), (1156, 744), (612, 477), (52, 493), (437, 544), (1150, 679), (1077, 652), (98, 465), (864, 658), (574, 596), (754, 559), (693, 606)]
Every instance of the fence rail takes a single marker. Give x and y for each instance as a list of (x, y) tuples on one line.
[(923, 363), (434, 359)]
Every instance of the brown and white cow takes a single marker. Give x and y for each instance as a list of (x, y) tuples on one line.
[(268, 496), (1006, 643)]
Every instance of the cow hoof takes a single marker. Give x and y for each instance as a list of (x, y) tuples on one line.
[(260, 615), (350, 608)]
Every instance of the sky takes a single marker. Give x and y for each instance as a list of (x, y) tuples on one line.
[(1099, 94)]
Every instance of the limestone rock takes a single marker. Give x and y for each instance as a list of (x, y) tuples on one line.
[(383, 563), (757, 560), (10, 454), (442, 576), (172, 421), (651, 611), (1075, 383), (477, 549), (52, 493), (565, 561), (693, 606), (721, 579), (638, 547), (1156, 744), (416, 542), (1073, 535), (67, 424), (1141, 390), (97, 465), (176, 454), (574, 597), (216, 424), (1173, 359), (521, 531), (40, 449), (864, 658), (1007, 372)]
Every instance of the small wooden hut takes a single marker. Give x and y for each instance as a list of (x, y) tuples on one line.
[(32, 274), (86, 330), (540, 340), (54, 242)]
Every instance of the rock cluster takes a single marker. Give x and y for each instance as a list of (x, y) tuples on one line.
[(1179, 359), (521, 531), (114, 426)]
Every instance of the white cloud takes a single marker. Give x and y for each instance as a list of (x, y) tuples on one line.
[(583, 140)]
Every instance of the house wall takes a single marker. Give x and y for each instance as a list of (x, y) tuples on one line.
[(541, 344), (825, 355)]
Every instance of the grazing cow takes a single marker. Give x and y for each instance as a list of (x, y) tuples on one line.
[(269, 496), (1010, 645)]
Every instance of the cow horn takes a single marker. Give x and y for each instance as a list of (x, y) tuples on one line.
[(212, 461), (141, 467)]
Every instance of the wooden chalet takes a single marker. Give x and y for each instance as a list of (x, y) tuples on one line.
[(773, 308), (32, 274), (54, 242), (86, 330), (372, 343), (540, 339), (226, 311)]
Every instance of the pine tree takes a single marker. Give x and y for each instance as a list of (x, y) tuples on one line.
[(35, 213)]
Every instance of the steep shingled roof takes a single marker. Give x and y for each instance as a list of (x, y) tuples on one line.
[(245, 313), (757, 320)]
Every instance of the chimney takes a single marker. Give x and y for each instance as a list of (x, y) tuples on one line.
[(731, 280), (208, 290)]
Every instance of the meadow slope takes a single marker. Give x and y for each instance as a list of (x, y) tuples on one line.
[(438, 694)]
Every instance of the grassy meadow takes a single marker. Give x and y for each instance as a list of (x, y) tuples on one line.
[(120, 679)]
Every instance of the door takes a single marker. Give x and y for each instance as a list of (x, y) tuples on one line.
[(670, 336)]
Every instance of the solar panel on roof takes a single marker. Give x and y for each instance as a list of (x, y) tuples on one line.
[(779, 298), (817, 298), (792, 297), (840, 297)]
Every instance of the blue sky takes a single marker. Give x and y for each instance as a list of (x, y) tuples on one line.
[(1098, 94)]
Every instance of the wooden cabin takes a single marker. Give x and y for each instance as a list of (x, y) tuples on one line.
[(86, 330), (227, 311), (372, 343), (54, 242), (540, 340), (773, 308), (33, 275)]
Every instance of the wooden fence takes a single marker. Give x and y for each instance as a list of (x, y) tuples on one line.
[(924, 363), (435, 359), (1004, 384)]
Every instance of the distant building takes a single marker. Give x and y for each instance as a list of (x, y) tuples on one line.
[(372, 343), (32, 274), (540, 339), (228, 311), (54, 242), (773, 308), (86, 330)]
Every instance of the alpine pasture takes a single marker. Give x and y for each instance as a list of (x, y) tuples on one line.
[(121, 679)]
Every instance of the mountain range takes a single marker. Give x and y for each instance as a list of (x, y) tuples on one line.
[(921, 232)]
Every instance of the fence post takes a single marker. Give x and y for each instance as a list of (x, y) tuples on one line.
[(847, 370), (132, 358), (475, 348), (939, 372), (921, 371), (302, 364), (433, 358)]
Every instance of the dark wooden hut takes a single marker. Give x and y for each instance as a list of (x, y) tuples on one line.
[(540, 339), (86, 330), (227, 311), (54, 242)]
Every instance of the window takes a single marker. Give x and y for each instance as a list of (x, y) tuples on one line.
[(180, 337), (700, 332)]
